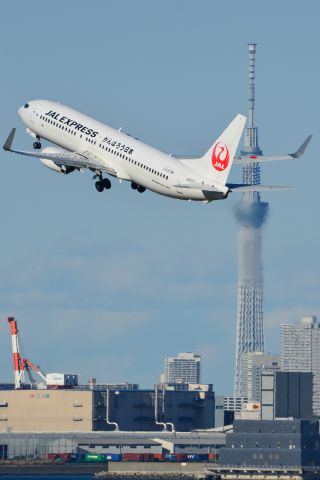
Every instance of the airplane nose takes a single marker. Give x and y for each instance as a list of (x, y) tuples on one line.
[(22, 110)]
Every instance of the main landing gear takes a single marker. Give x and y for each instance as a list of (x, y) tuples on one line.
[(102, 183), (135, 186), (37, 144)]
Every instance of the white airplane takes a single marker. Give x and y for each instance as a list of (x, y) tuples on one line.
[(83, 142)]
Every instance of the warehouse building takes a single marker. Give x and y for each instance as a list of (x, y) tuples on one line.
[(272, 443), (79, 410), (43, 445)]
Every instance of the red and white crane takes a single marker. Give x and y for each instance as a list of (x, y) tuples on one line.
[(20, 365), (17, 361), (28, 366)]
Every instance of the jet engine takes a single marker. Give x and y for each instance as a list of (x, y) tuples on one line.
[(52, 165)]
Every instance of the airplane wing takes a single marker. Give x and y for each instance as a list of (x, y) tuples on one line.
[(269, 158), (72, 159)]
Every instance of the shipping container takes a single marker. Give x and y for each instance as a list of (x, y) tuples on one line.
[(158, 457), (193, 457), (212, 457), (94, 457), (59, 457), (61, 380), (138, 457), (181, 457), (170, 457), (203, 457), (113, 457)]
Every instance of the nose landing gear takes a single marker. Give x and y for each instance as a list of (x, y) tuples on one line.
[(37, 144)]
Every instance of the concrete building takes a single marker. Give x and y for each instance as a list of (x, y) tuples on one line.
[(47, 410), (300, 352), (234, 404), (293, 395), (39, 445), (252, 365), (262, 364), (286, 395), (196, 444), (222, 416), (120, 445), (185, 387), (275, 445), (74, 410), (185, 368)]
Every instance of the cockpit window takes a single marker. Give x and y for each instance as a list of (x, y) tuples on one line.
[(26, 105)]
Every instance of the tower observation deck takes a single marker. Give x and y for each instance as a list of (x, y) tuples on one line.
[(251, 213)]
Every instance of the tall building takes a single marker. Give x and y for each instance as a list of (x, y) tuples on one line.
[(185, 368), (251, 213), (300, 352), (252, 366), (263, 364)]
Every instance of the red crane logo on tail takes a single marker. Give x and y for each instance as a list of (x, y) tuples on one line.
[(220, 156)]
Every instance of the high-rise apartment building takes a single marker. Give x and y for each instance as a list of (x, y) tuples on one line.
[(300, 352), (185, 368)]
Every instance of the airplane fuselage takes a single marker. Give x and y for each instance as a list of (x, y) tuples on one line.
[(117, 151), (85, 143)]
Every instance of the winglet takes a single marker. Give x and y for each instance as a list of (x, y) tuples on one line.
[(8, 143), (302, 148)]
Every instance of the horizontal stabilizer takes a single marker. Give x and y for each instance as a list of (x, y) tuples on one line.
[(205, 187), (241, 187), (269, 158)]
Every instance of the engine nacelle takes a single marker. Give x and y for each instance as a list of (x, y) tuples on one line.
[(52, 165)]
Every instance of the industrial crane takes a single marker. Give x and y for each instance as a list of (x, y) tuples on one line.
[(29, 366), (20, 365)]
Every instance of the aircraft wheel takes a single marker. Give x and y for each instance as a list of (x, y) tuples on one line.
[(134, 186), (99, 186), (141, 189), (37, 145), (106, 183)]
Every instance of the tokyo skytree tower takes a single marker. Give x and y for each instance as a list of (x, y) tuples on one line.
[(251, 213)]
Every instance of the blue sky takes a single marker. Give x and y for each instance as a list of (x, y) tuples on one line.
[(107, 285)]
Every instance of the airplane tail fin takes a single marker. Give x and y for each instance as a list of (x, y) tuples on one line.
[(217, 161)]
